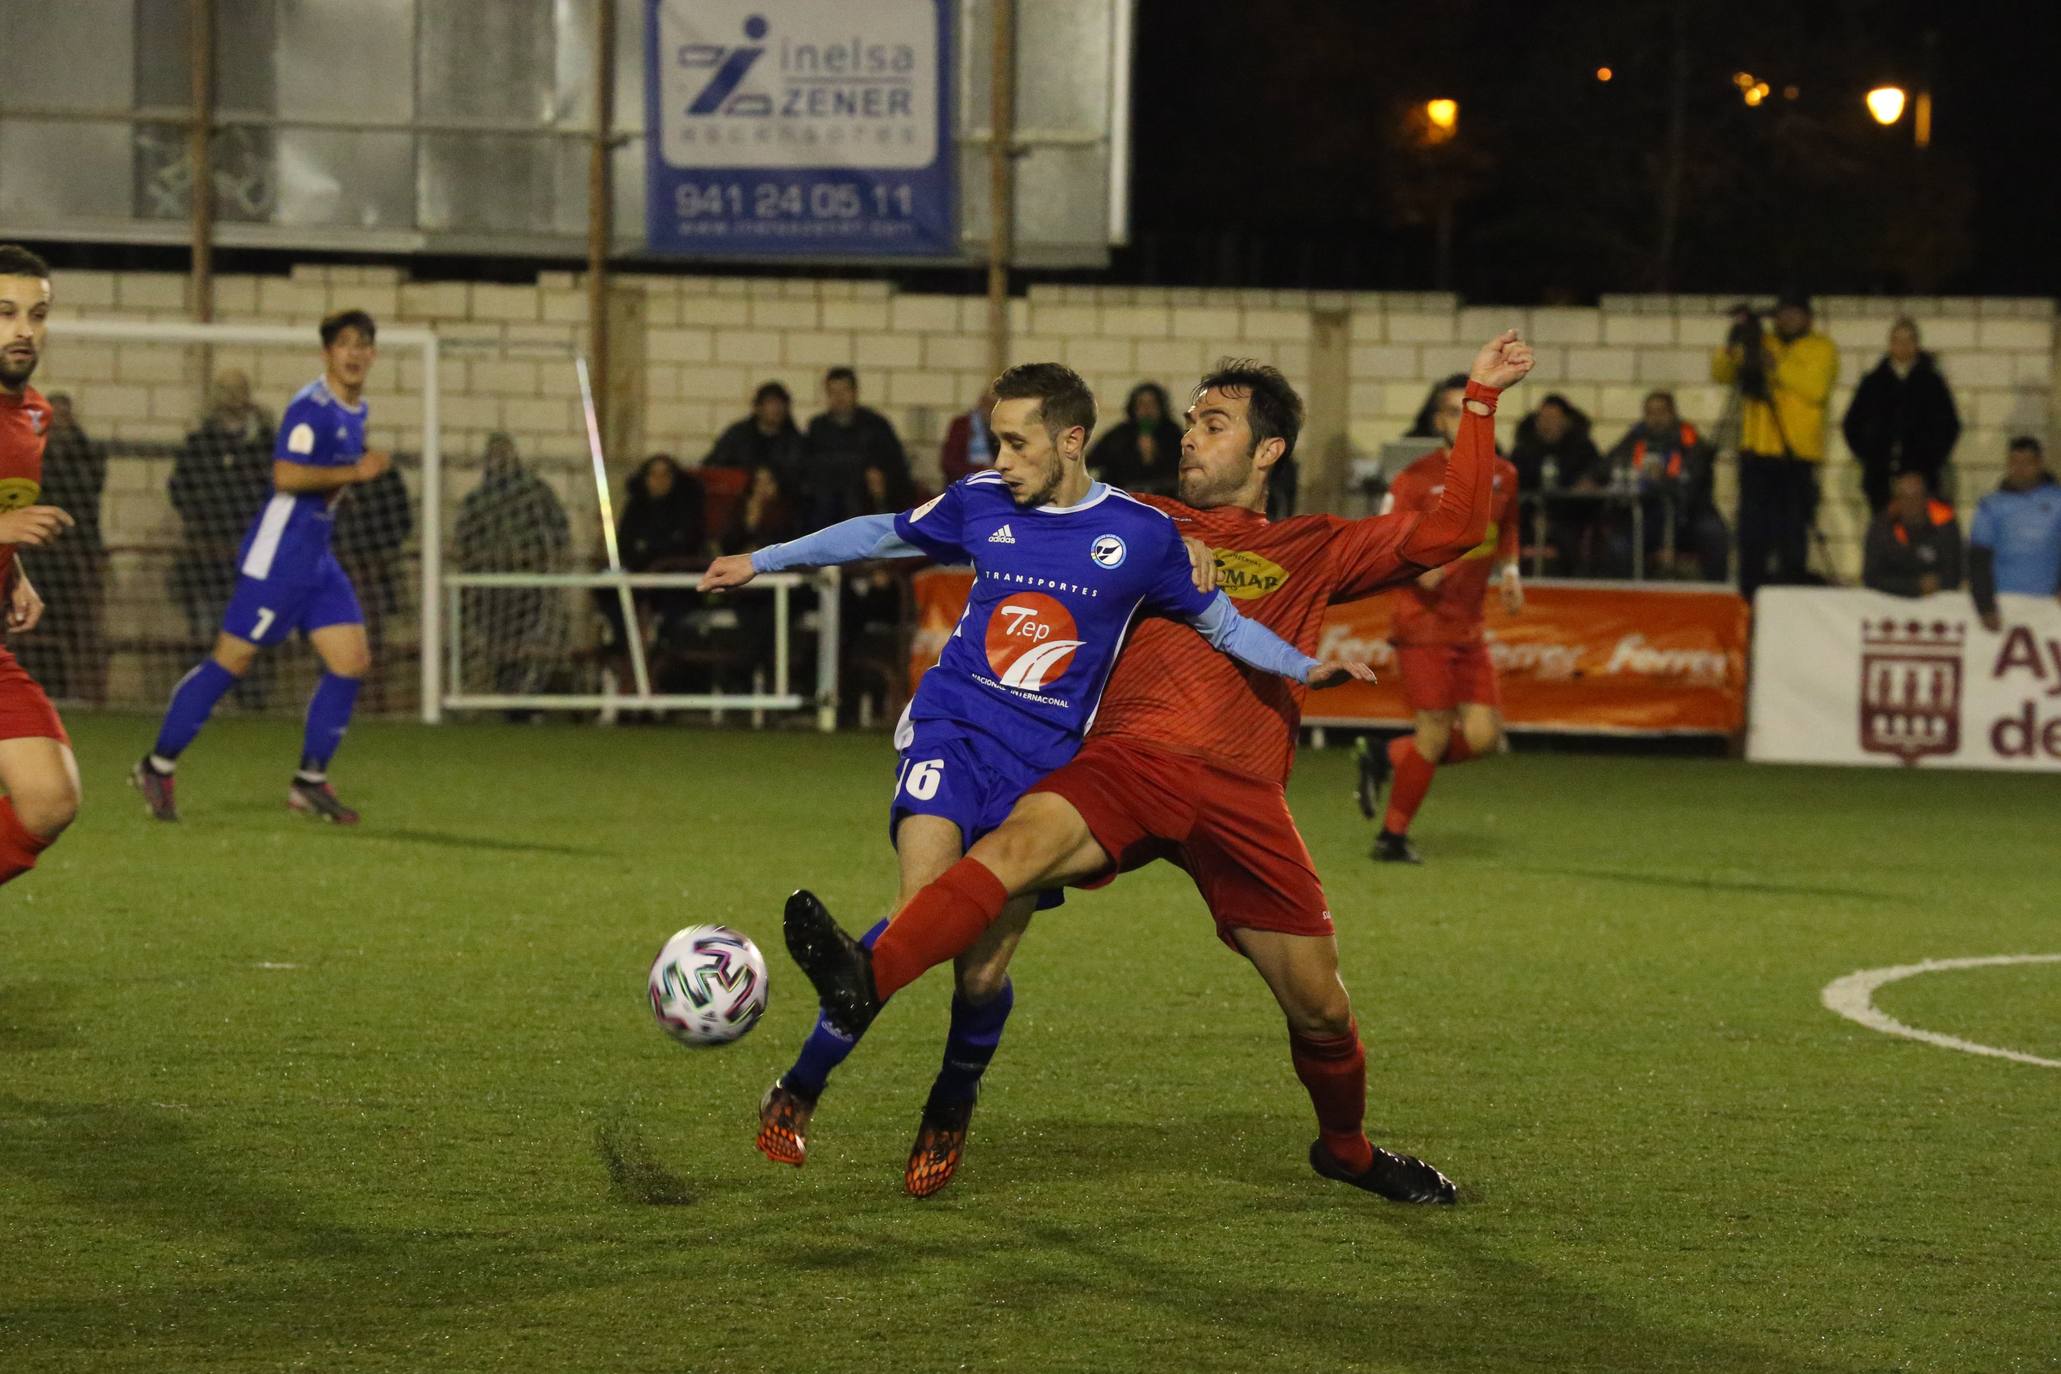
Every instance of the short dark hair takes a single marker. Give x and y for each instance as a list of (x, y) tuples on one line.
[(769, 390), (1554, 398), (1063, 398), (1661, 394), (17, 261), (1272, 409), (2026, 443), (333, 326), (841, 374)]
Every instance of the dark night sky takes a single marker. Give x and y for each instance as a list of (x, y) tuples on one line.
[(1270, 148)]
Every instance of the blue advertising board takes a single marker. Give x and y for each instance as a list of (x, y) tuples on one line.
[(790, 128)]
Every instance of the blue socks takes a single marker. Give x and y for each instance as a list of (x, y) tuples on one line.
[(826, 1047), (192, 702), (970, 1044), (329, 713)]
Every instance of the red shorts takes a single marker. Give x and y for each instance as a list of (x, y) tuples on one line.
[(1232, 833), (1439, 677), (25, 713)]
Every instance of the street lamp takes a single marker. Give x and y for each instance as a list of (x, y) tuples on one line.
[(1444, 116), (1886, 103)]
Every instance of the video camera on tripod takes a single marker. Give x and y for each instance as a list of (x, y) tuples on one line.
[(1749, 337)]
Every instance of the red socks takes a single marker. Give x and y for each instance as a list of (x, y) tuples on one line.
[(1413, 774), (939, 922), (1333, 1069), (18, 847)]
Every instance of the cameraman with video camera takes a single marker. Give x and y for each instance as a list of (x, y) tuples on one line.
[(1783, 378)]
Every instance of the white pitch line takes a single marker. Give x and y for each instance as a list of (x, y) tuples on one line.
[(1853, 997)]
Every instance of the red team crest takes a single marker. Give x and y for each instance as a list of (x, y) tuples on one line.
[(1911, 688), (1031, 639)]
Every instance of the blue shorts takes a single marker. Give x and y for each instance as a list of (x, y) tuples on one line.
[(953, 777), (266, 610)]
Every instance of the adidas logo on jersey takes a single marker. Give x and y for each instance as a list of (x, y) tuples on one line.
[(1002, 536)]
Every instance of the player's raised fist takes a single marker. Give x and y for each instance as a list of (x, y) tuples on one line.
[(374, 465), (1503, 361), (1338, 674), (32, 525), (731, 570)]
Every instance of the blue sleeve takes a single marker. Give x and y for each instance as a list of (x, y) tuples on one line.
[(938, 526), (848, 541), (308, 435), (1984, 532), (1173, 582), (1250, 642)]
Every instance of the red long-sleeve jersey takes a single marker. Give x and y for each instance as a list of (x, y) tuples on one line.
[(1171, 690), (24, 426)]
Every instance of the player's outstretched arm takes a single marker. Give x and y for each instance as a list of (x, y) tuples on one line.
[(1460, 519), (856, 540), (1256, 646)]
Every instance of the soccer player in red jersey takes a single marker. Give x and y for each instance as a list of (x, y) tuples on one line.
[(1447, 676), (37, 770), (1189, 763)]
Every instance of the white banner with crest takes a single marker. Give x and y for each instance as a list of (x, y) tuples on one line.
[(1845, 676)]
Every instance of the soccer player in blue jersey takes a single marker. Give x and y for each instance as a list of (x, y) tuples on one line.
[(1062, 566), (287, 580)]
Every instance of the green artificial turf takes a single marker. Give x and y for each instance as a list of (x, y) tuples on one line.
[(279, 1096)]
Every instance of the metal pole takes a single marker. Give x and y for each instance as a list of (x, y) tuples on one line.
[(431, 532), (200, 18), (1001, 181), (600, 210)]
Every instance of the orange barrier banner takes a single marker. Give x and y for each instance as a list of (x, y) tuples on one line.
[(1615, 658)]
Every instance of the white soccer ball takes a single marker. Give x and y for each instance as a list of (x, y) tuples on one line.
[(708, 986)]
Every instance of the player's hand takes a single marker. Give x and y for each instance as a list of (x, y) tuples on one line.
[(1503, 361), (1431, 577), (1992, 621), (1203, 561), (1338, 674), (731, 570), (372, 466), (33, 525), (1513, 596), (24, 607)]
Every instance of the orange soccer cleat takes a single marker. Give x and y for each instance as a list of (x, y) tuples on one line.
[(940, 1145), (784, 1125)]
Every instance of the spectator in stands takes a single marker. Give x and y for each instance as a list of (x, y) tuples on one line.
[(969, 444), (1555, 454), (373, 522), (2016, 543), (765, 516), (220, 480), (661, 530), (513, 522), (1673, 470), (1914, 546), (766, 437), (1902, 418), (67, 653), (1141, 453), (1784, 378), (843, 442)]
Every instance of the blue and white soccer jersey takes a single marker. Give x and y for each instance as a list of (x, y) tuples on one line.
[(287, 579), (1055, 590)]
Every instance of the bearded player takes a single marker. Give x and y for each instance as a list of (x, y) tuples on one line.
[(1448, 678), (1188, 761), (37, 770), (1063, 567)]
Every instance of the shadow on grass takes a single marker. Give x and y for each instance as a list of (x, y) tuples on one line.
[(32, 1015), (438, 839), (634, 1172), (1717, 884)]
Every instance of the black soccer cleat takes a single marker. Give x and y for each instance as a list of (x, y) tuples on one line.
[(940, 1145), (318, 799), (1391, 848), (1399, 1178), (156, 788), (1375, 769), (839, 966)]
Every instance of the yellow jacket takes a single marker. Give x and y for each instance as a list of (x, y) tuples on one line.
[(1800, 376)]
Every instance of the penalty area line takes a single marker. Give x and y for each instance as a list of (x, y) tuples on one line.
[(1854, 998)]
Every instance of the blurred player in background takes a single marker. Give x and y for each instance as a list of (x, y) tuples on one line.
[(287, 580), (37, 770), (1063, 565), (1437, 632), (1189, 760)]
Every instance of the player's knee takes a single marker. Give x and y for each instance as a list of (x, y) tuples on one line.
[(1016, 852), (1484, 736), (46, 809), (235, 655), (355, 661), (1433, 737), (1324, 1012)]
